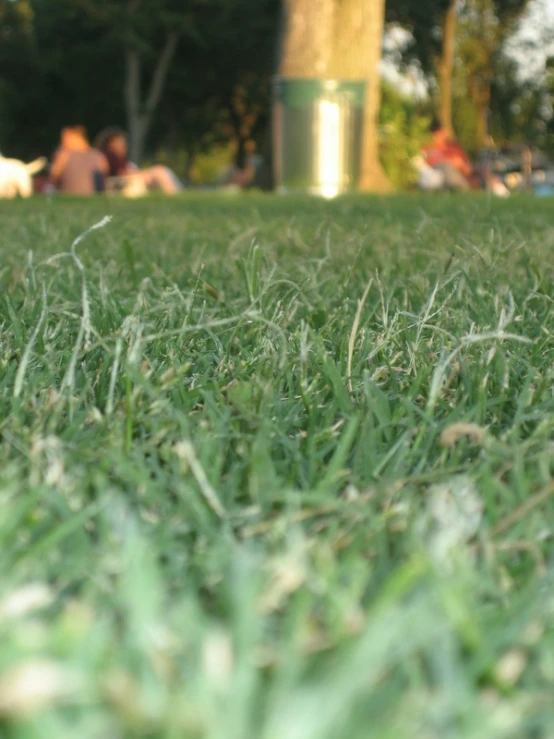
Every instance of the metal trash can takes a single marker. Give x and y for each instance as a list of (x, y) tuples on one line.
[(317, 135)]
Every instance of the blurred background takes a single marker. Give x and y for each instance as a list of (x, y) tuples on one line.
[(191, 81)]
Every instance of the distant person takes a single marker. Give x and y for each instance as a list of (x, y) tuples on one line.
[(112, 142), (447, 158), (444, 165), (243, 172), (77, 168)]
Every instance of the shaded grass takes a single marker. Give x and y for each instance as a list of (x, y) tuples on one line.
[(198, 347)]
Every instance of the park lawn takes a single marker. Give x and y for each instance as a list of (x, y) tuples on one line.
[(236, 500)]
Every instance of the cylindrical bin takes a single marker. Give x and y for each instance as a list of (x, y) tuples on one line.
[(317, 135)]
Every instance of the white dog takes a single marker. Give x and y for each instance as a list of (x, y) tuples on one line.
[(16, 177)]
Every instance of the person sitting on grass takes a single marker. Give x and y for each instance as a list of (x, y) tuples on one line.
[(448, 160), (77, 168), (444, 165), (112, 142)]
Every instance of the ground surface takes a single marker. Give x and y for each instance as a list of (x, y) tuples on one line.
[(234, 500)]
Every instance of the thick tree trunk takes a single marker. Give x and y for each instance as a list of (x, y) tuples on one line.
[(308, 40), (341, 39), (139, 115), (446, 65), (370, 42)]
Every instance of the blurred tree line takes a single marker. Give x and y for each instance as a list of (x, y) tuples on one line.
[(178, 74), (185, 75), (476, 86)]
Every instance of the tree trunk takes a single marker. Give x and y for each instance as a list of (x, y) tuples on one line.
[(139, 115), (341, 39), (189, 163), (307, 43), (357, 46), (446, 66), (482, 106), (370, 40)]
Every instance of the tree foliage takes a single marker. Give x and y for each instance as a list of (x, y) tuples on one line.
[(98, 62), (459, 43), (433, 27), (484, 27), (424, 19), (220, 88)]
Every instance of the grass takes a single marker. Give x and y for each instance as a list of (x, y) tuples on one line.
[(277, 469)]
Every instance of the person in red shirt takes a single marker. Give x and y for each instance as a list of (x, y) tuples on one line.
[(444, 165), (112, 142), (447, 156)]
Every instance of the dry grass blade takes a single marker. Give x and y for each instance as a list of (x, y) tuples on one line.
[(263, 527), (456, 431), (523, 510), (185, 451), (77, 241)]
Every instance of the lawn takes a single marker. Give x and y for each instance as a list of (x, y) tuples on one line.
[(277, 469)]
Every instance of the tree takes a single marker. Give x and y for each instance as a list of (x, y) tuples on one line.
[(356, 55), (151, 33), (77, 73), (460, 37), (520, 109), (219, 89), (340, 39), (18, 71), (148, 33), (433, 27), (69, 57), (56, 69), (243, 69), (445, 64), (485, 25)]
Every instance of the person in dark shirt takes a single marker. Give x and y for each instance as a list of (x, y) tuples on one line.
[(77, 168), (112, 142)]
